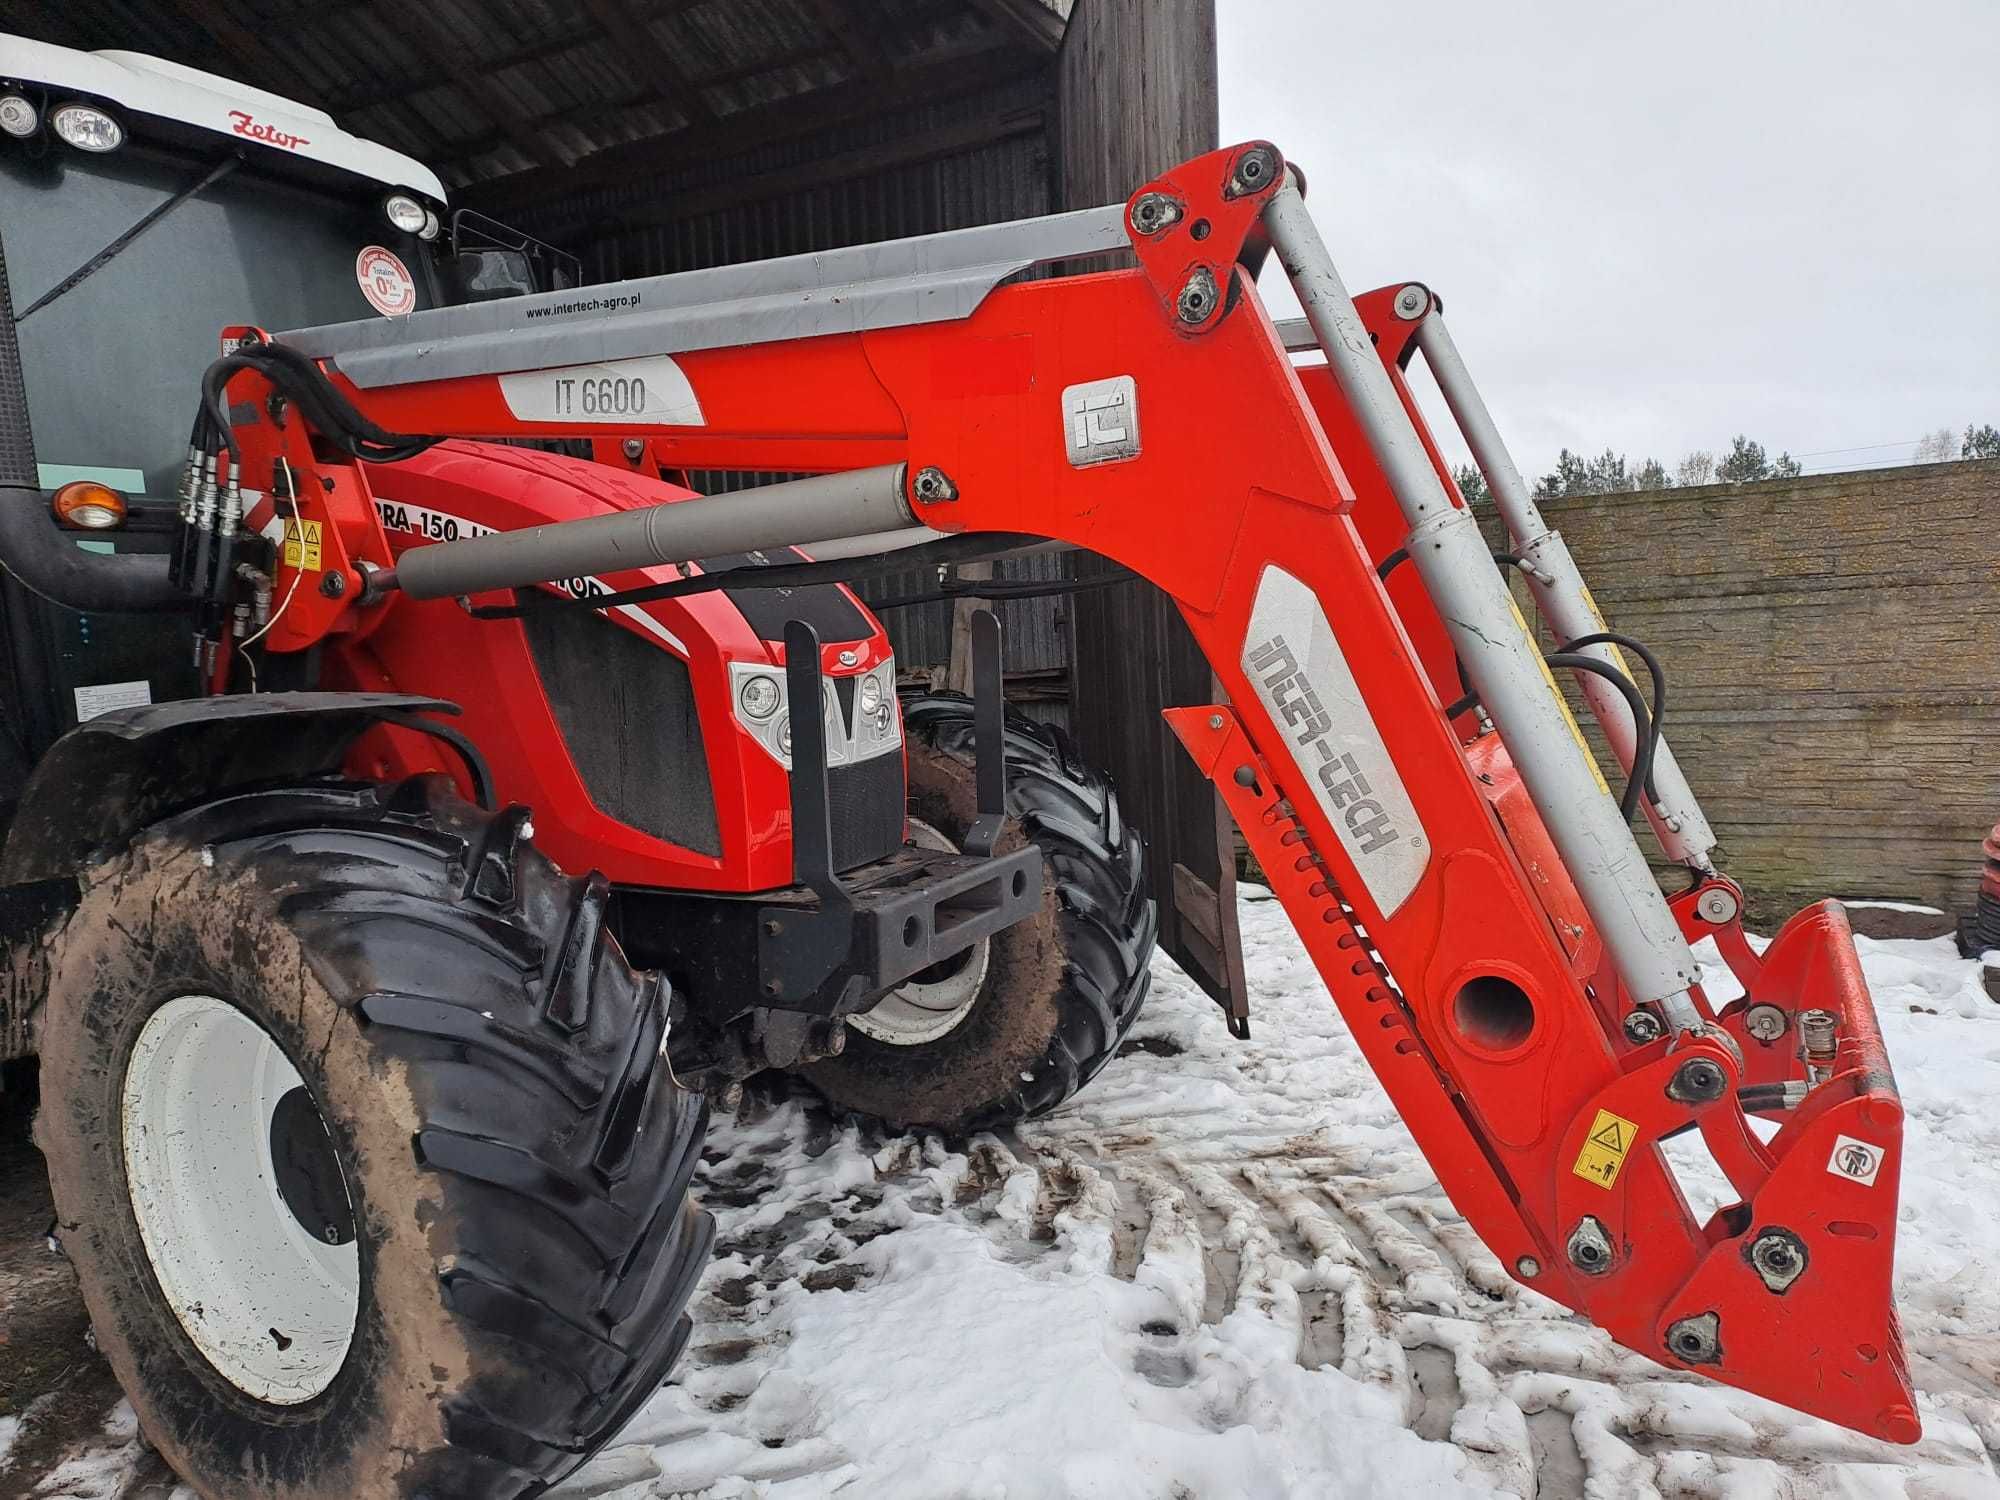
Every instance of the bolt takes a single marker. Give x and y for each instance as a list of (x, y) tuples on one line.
[(1698, 1080), (1245, 776), (1779, 1257), (1198, 297), (1412, 302), (1642, 1026), (935, 485), (1215, 721), (1696, 1340), (334, 584), (1527, 1268), (1717, 905), (1256, 169), (1152, 212), (1765, 1023), (635, 449), (1590, 1247), (772, 928)]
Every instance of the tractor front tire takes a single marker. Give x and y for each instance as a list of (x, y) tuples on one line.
[(1052, 997), (365, 1149)]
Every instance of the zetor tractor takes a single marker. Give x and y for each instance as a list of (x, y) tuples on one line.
[(520, 801)]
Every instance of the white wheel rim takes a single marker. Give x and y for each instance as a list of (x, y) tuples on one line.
[(919, 1011), (268, 1303)]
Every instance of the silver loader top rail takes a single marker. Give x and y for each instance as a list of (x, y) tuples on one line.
[(930, 278)]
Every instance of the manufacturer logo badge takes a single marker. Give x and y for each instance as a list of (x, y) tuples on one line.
[(1301, 676), (1101, 421)]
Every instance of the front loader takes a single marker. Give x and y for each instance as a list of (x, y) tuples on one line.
[(352, 896)]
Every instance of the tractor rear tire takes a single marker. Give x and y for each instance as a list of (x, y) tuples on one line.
[(365, 1148), (1059, 991)]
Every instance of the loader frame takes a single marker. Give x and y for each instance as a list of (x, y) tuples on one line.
[(1464, 880)]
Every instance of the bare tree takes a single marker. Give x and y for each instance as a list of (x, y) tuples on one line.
[(1938, 447), (1697, 468)]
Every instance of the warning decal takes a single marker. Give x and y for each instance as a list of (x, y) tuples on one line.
[(1604, 1149), (302, 545), (1857, 1161)]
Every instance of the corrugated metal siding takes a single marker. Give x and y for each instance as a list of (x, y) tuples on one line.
[(1007, 179), (632, 230)]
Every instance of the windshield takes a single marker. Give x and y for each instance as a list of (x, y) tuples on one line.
[(112, 364)]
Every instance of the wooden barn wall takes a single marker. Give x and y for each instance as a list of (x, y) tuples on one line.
[(977, 157), (1833, 669), (1138, 94)]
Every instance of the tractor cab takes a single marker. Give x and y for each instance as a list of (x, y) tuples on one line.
[(143, 206)]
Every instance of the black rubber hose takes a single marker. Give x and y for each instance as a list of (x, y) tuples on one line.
[(1642, 759), (1659, 675)]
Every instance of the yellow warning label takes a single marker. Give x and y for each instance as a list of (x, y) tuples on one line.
[(1597, 618), (1603, 1154), (302, 545)]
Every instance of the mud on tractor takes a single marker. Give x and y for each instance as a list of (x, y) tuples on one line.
[(517, 802)]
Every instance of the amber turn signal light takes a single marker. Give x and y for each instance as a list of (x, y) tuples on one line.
[(87, 504)]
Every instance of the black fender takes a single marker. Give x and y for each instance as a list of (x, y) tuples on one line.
[(117, 773)]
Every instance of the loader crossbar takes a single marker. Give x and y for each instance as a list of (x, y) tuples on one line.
[(1478, 907)]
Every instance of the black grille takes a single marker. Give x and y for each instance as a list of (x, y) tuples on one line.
[(865, 806), (627, 713), (826, 607)]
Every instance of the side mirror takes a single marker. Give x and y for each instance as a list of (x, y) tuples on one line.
[(485, 275)]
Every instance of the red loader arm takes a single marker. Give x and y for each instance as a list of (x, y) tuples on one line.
[(1474, 899)]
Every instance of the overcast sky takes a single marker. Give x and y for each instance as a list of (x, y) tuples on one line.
[(1655, 226)]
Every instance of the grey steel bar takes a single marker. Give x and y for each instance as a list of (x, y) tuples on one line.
[(1564, 600), (1597, 847), (924, 279), (799, 511), (875, 542)]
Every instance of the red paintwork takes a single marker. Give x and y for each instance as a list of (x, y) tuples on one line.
[(436, 648), (1247, 464)]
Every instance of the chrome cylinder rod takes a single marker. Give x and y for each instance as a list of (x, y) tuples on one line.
[(1597, 847), (1564, 600), (859, 502)]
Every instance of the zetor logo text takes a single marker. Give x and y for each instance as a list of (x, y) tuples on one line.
[(270, 135), (1292, 697)]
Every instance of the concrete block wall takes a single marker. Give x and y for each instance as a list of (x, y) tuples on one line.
[(1832, 647)]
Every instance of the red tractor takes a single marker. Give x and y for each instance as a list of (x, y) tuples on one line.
[(529, 799)]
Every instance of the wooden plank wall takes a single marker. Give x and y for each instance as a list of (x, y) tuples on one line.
[(1832, 647), (1136, 87)]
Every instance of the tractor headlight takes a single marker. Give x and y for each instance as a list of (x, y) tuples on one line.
[(405, 213), (784, 736), (87, 127), (760, 696), (871, 693), (885, 718), (432, 228), (18, 116)]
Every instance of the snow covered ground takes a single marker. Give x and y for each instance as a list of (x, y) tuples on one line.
[(1225, 1271)]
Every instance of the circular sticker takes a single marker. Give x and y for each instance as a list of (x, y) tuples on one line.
[(385, 281)]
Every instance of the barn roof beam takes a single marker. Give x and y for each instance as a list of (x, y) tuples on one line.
[(803, 114), (1038, 24)]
